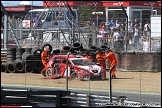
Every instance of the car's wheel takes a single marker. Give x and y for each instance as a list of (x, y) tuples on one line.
[(49, 72), (74, 75), (103, 78)]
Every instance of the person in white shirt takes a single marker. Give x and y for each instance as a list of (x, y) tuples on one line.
[(147, 30), (116, 36), (135, 39), (130, 34)]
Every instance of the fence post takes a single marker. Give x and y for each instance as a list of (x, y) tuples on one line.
[(58, 99), (88, 100)]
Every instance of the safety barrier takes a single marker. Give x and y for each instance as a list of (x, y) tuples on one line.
[(37, 97), (33, 97)]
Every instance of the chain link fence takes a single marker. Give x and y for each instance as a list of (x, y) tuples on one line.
[(138, 70)]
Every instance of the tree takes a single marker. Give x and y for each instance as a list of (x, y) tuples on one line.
[(85, 13)]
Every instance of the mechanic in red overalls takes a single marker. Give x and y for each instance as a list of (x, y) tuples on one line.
[(113, 62), (45, 56), (101, 58)]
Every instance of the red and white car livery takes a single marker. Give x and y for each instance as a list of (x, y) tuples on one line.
[(78, 67)]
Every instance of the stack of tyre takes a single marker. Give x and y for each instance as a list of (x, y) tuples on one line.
[(20, 60), (29, 59)]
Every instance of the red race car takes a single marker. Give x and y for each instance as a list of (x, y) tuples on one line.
[(79, 67)]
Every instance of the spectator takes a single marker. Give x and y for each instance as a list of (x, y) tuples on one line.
[(103, 33), (112, 25), (117, 25), (13, 22), (108, 30), (135, 39), (130, 34), (37, 24), (135, 23), (115, 38), (121, 40), (147, 30)]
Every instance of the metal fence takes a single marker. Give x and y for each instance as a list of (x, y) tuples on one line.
[(88, 36), (36, 97), (132, 70)]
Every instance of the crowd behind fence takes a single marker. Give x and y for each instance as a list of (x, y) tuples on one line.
[(112, 33)]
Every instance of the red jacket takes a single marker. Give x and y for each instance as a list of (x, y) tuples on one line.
[(111, 57), (45, 55)]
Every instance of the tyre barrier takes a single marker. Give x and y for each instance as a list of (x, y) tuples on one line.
[(82, 52), (77, 46), (4, 67), (104, 47), (29, 69), (10, 67), (64, 52), (28, 58), (93, 48), (19, 66), (38, 66), (66, 49), (56, 52), (11, 54), (93, 54), (28, 50), (19, 52), (74, 52), (42, 47), (36, 52)]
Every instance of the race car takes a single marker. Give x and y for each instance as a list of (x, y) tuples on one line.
[(75, 66)]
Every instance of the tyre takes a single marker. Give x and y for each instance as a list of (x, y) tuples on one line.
[(28, 50), (66, 48), (104, 47), (10, 67), (49, 72), (56, 52), (19, 52), (19, 66), (77, 46), (74, 52), (37, 66), (3, 67), (36, 51), (74, 75), (28, 58), (11, 54), (93, 48), (28, 69), (103, 78), (82, 52), (42, 47)]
